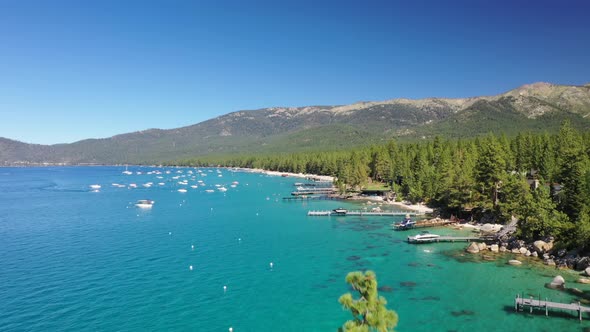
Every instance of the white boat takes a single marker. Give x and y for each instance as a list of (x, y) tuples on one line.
[(423, 237), (181, 190), (210, 190), (95, 186), (126, 171), (222, 189), (144, 203)]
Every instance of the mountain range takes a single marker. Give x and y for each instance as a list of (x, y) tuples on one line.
[(532, 107)]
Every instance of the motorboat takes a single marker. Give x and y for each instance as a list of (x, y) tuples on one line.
[(182, 190), (423, 237), (95, 186), (144, 203), (340, 212), (406, 224)]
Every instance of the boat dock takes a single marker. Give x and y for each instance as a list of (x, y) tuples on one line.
[(453, 239), (312, 191), (306, 197), (520, 303), (360, 213), (423, 224)]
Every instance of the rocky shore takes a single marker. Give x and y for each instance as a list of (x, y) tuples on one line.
[(543, 249)]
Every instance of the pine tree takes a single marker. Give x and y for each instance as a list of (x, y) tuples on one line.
[(369, 311)]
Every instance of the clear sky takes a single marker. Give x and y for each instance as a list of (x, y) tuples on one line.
[(71, 70)]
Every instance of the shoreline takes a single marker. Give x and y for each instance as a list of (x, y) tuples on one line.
[(419, 208)]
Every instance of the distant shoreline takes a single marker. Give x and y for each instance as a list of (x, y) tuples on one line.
[(419, 208)]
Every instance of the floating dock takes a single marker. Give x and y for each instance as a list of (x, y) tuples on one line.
[(360, 213), (520, 303)]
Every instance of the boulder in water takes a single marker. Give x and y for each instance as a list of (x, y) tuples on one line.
[(482, 246), (557, 282), (587, 271), (514, 262), (494, 248), (584, 281), (522, 250), (473, 248)]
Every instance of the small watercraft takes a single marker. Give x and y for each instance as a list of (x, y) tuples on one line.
[(144, 203), (423, 237)]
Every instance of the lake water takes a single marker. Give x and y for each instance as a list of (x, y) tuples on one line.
[(75, 260)]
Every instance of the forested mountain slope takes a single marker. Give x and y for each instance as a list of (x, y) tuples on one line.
[(534, 107)]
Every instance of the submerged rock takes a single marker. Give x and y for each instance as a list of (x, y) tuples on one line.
[(462, 313), (514, 262), (550, 262), (584, 281)]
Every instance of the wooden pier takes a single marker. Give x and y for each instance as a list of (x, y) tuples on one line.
[(313, 197), (453, 239), (520, 303), (423, 224), (312, 191), (360, 213)]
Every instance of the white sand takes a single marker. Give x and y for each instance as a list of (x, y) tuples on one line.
[(295, 175)]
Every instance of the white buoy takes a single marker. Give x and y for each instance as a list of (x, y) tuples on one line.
[(190, 267), (169, 233), (192, 247), (271, 265), (224, 288), (231, 329)]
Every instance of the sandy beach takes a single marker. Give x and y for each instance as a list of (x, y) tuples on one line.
[(295, 175)]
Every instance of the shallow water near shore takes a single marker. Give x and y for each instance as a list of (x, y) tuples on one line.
[(73, 259)]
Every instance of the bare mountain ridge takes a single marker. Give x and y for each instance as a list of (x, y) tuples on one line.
[(295, 128)]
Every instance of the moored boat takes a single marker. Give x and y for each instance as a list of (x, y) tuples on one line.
[(144, 203), (423, 237)]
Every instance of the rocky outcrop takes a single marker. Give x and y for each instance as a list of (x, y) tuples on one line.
[(542, 247), (494, 248)]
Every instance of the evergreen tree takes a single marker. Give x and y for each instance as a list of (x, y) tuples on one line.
[(571, 159), (369, 311), (490, 171)]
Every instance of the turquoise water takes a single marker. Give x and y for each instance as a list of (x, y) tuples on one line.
[(72, 260)]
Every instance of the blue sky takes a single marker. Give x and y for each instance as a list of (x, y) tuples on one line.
[(71, 70)]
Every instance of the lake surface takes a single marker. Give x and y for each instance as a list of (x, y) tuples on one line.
[(74, 260)]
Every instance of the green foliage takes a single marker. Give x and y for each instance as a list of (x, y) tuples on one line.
[(369, 310)]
